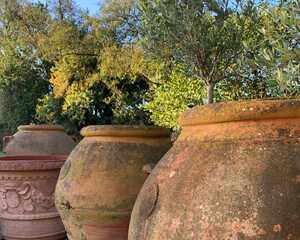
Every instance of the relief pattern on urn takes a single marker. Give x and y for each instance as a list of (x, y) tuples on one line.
[(20, 198), (27, 209)]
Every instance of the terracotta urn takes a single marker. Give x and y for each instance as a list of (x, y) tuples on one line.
[(233, 174), (39, 140), (100, 180), (27, 209)]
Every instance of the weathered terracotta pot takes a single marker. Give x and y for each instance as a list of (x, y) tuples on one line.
[(99, 182), (27, 209), (39, 140), (233, 173)]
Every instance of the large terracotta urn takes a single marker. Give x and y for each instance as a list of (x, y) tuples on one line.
[(27, 209), (39, 140), (233, 174), (99, 182)]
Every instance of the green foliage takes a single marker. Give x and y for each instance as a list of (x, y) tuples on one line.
[(206, 36), (23, 75), (48, 109), (270, 67), (99, 78), (139, 62), (21, 85), (76, 109), (90, 93), (260, 47), (95, 76), (281, 52), (173, 97), (251, 83)]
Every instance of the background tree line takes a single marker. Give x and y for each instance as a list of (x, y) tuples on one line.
[(140, 61)]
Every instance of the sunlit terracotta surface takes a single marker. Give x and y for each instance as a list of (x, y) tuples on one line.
[(102, 177), (233, 173)]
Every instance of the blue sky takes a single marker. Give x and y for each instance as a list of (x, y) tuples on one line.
[(92, 5)]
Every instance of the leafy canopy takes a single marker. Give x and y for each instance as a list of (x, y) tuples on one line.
[(205, 36)]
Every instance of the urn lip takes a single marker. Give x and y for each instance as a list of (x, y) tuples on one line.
[(32, 157), (234, 111), (125, 131), (42, 127), (31, 162)]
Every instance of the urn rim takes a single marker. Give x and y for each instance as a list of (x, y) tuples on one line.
[(125, 131), (31, 162), (236, 111), (41, 127)]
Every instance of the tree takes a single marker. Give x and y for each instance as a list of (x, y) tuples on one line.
[(140, 61), (64, 10), (97, 78), (23, 78), (280, 48), (22, 83), (270, 66), (121, 18), (206, 36), (86, 95), (91, 63)]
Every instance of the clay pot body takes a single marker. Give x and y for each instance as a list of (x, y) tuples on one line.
[(102, 177), (27, 209), (233, 174), (39, 140)]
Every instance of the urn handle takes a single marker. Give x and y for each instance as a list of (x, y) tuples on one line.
[(148, 168), (6, 140)]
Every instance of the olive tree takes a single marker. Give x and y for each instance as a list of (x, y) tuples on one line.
[(206, 36)]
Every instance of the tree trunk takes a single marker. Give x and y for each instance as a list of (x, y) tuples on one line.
[(60, 10), (210, 92)]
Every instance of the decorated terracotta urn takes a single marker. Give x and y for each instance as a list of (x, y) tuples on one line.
[(99, 182), (233, 173), (27, 209), (39, 140)]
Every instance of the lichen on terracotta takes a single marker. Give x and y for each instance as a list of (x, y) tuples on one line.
[(99, 182), (231, 174)]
